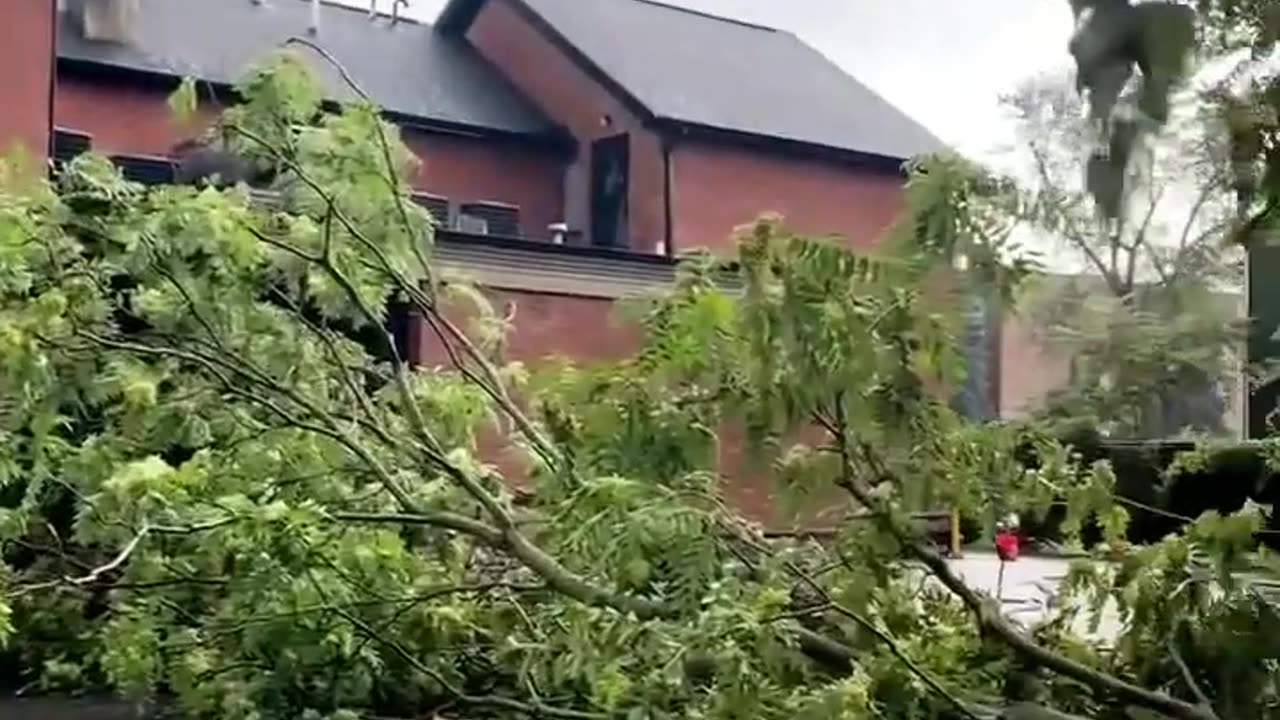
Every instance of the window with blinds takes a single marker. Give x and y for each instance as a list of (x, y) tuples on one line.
[(68, 144), (497, 218), (438, 207), (145, 169)]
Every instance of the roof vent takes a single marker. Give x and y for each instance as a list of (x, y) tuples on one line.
[(111, 21)]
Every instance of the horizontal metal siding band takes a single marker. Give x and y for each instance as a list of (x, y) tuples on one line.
[(542, 272)]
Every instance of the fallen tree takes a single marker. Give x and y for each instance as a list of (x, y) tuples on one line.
[(227, 489)]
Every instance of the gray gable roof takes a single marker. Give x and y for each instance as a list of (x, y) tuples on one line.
[(720, 73), (408, 69)]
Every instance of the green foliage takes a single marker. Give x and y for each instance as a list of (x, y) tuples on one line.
[(226, 489), (1112, 40), (1239, 33), (184, 101)]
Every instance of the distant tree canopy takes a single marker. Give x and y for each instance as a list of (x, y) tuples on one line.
[(1150, 313)]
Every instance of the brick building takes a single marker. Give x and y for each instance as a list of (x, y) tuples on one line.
[(571, 148)]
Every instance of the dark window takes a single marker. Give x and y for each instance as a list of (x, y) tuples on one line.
[(610, 170), (144, 169), (979, 397), (497, 218), (437, 206), (68, 144), (400, 327)]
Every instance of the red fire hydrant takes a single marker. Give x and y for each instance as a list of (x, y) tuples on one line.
[(1006, 548), (1007, 544)]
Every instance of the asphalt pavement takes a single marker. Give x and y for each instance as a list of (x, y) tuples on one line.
[(1028, 586)]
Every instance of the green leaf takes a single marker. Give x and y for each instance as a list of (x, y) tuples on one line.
[(184, 101)]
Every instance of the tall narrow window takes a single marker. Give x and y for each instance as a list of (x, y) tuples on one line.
[(610, 171)]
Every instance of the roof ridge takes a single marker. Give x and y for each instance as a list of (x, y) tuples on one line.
[(709, 16)]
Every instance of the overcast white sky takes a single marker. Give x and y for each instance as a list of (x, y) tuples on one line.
[(944, 62)]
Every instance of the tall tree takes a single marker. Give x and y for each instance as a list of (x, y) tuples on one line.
[(1149, 308)]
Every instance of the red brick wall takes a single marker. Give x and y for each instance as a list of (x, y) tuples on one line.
[(588, 330), (548, 327), (122, 117), (1029, 370), (573, 98), (26, 57), (466, 169), (136, 119), (719, 188), (585, 329)]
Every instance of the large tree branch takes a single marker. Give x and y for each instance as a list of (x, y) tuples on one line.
[(489, 381), (535, 708), (885, 639), (505, 536), (547, 567), (449, 521), (984, 609)]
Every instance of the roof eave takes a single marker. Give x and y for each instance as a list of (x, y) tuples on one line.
[(675, 129), (557, 139)]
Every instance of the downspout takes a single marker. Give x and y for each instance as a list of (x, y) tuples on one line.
[(53, 80), (668, 180)]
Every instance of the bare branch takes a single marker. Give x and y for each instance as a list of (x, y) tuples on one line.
[(450, 521), (1205, 193), (1070, 230), (94, 575), (1140, 240)]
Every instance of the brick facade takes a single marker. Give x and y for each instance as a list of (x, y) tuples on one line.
[(1029, 369), (550, 326), (572, 97), (26, 67), (693, 191), (717, 188), (477, 170), (124, 117)]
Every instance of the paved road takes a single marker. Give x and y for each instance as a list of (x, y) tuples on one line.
[(1028, 585), (1028, 581)]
